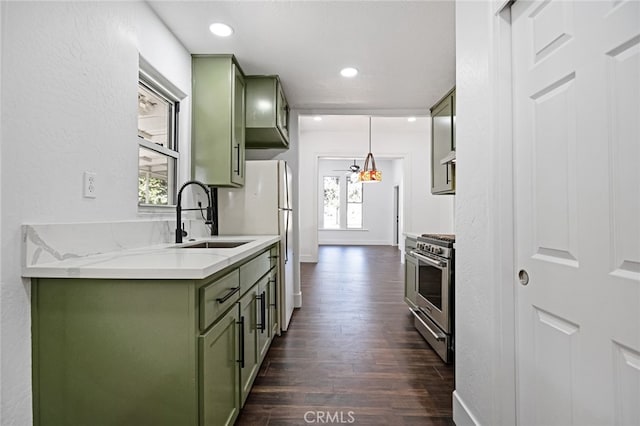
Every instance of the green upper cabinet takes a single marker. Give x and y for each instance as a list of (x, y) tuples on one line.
[(218, 136), (443, 145), (267, 113)]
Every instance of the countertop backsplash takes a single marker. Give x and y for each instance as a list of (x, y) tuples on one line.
[(46, 243)]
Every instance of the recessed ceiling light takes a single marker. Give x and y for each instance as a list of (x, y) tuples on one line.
[(349, 72), (220, 29), (317, 118), (411, 119)]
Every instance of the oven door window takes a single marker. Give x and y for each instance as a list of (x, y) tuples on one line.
[(430, 284)]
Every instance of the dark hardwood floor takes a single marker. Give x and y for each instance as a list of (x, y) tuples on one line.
[(351, 354)]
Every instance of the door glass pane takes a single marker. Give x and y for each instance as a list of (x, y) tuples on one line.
[(331, 191), (154, 179), (430, 285)]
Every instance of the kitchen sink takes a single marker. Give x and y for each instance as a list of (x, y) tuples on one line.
[(215, 244)]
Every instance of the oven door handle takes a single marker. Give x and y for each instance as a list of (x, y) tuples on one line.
[(428, 260), (437, 336)]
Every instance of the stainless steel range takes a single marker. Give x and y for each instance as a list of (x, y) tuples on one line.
[(433, 258)]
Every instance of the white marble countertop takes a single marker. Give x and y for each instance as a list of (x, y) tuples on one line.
[(159, 261)]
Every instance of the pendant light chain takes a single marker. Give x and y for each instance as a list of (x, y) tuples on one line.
[(369, 134)]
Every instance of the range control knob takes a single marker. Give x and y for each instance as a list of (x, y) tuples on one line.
[(437, 250)]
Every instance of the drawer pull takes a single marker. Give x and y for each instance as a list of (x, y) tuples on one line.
[(227, 296), (263, 312), (241, 334), (275, 292)]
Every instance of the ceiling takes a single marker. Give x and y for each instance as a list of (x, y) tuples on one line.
[(404, 50)]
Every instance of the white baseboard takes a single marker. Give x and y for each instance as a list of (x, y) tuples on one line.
[(297, 300), (305, 258), (462, 416)]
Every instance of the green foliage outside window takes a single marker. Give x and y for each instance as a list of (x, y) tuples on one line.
[(152, 190)]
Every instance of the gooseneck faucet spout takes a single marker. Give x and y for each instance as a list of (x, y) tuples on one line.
[(179, 208)]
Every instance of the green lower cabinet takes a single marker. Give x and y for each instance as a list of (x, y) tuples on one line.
[(220, 372), (248, 342), (274, 313), (118, 352), (114, 352)]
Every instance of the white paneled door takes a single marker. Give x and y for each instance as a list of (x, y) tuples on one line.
[(576, 75)]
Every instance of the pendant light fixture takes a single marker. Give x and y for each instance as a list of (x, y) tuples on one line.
[(367, 174)]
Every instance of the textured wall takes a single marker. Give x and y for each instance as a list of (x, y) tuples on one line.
[(69, 79), (484, 295)]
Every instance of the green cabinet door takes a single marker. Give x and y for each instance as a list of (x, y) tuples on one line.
[(248, 342), (264, 331), (220, 372), (442, 143), (218, 123), (267, 113), (274, 313)]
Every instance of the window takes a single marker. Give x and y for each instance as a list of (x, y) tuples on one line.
[(342, 203), (331, 196), (354, 205), (157, 144)]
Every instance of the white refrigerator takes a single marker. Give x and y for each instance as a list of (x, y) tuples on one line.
[(263, 207)]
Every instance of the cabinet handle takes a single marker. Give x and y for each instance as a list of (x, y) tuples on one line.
[(448, 180), (237, 170), (226, 297), (241, 331), (263, 312), (275, 292)]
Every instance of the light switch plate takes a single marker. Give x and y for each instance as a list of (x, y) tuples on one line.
[(89, 187)]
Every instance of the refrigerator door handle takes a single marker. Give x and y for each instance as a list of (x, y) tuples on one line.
[(286, 238), (282, 209)]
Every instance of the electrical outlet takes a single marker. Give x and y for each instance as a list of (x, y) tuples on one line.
[(89, 187)]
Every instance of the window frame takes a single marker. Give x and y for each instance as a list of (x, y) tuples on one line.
[(343, 215), (173, 140), (339, 215)]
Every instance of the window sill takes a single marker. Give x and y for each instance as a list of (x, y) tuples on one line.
[(151, 208)]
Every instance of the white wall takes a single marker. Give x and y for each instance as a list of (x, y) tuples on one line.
[(485, 375), (392, 137), (377, 226), (69, 88)]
